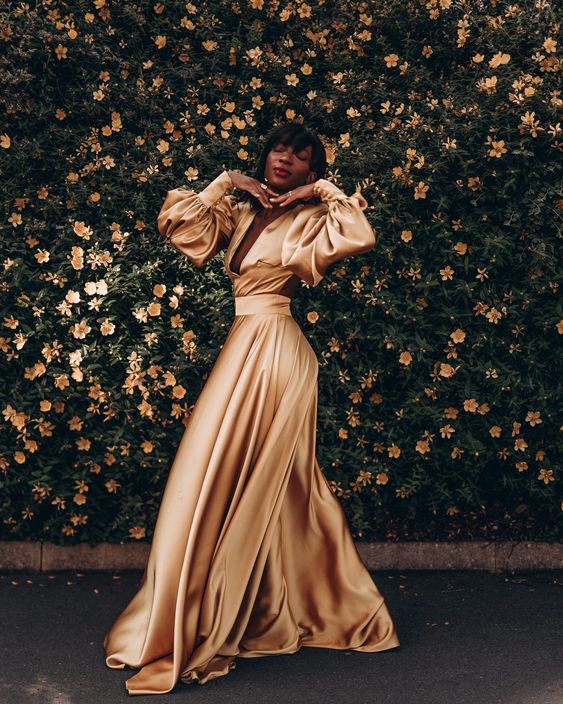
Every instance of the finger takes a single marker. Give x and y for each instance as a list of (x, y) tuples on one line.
[(262, 192), (268, 191), (262, 198), (283, 199)]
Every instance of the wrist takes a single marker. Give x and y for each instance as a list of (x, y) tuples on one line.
[(326, 190), (216, 189)]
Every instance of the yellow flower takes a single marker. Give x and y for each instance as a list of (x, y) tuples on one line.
[(493, 316), (451, 413), (422, 446), (137, 532), (498, 59), (406, 235), (83, 444), (521, 466), (312, 316), (533, 418), (153, 308), (470, 405), (546, 475), (405, 358), (457, 335), (460, 248), (107, 327), (381, 478), (80, 330), (391, 60), (394, 451), (520, 444), (61, 52), (497, 148), (81, 485), (420, 190), (447, 431), (61, 381), (446, 370), (42, 255), (178, 391), (446, 273), (79, 499), (112, 486)]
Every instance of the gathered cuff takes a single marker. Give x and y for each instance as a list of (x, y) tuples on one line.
[(328, 191), (216, 189)]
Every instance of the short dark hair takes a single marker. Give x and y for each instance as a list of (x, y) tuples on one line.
[(299, 137)]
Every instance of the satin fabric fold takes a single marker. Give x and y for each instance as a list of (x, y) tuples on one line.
[(251, 553)]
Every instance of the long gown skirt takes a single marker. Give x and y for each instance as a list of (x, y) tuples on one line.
[(251, 553)]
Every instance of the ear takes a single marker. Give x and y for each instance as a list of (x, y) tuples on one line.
[(311, 177)]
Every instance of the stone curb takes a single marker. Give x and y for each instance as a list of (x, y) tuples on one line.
[(41, 556)]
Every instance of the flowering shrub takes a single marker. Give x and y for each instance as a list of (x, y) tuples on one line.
[(438, 350)]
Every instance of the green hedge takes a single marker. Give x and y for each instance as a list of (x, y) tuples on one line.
[(439, 373)]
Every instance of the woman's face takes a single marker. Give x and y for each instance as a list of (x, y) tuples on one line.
[(286, 169)]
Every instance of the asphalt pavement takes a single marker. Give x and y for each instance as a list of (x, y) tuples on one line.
[(466, 638)]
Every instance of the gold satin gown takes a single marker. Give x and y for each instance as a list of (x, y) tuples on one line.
[(251, 553)]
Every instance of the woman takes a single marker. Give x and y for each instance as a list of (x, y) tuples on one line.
[(251, 553)]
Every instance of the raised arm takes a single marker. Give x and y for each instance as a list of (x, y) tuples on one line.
[(340, 229), (199, 224)]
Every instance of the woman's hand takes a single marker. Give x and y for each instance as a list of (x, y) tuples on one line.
[(300, 193), (259, 190)]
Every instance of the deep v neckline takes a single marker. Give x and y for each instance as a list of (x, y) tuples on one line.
[(240, 240)]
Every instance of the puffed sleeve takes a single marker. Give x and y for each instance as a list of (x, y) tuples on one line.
[(340, 229), (199, 224)]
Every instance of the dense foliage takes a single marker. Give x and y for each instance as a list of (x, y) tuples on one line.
[(440, 372)]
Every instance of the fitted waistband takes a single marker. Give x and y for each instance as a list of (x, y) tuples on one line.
[(262, 303)]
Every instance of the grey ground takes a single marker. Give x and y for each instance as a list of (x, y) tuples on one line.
[(466, 638)]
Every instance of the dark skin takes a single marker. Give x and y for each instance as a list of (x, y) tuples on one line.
[(279, 193)]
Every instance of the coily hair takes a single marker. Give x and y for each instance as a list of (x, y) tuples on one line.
[(299, 137)]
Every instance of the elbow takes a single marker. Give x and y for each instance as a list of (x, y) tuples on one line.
[(163, 220), (368, 236), (372, 238), (162, 225)]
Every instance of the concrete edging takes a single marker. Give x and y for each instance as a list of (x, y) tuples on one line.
[(42, 556)]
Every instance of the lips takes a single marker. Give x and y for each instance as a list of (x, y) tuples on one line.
[(281, 172)]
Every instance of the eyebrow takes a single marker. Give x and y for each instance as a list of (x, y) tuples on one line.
[(288, 145)]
